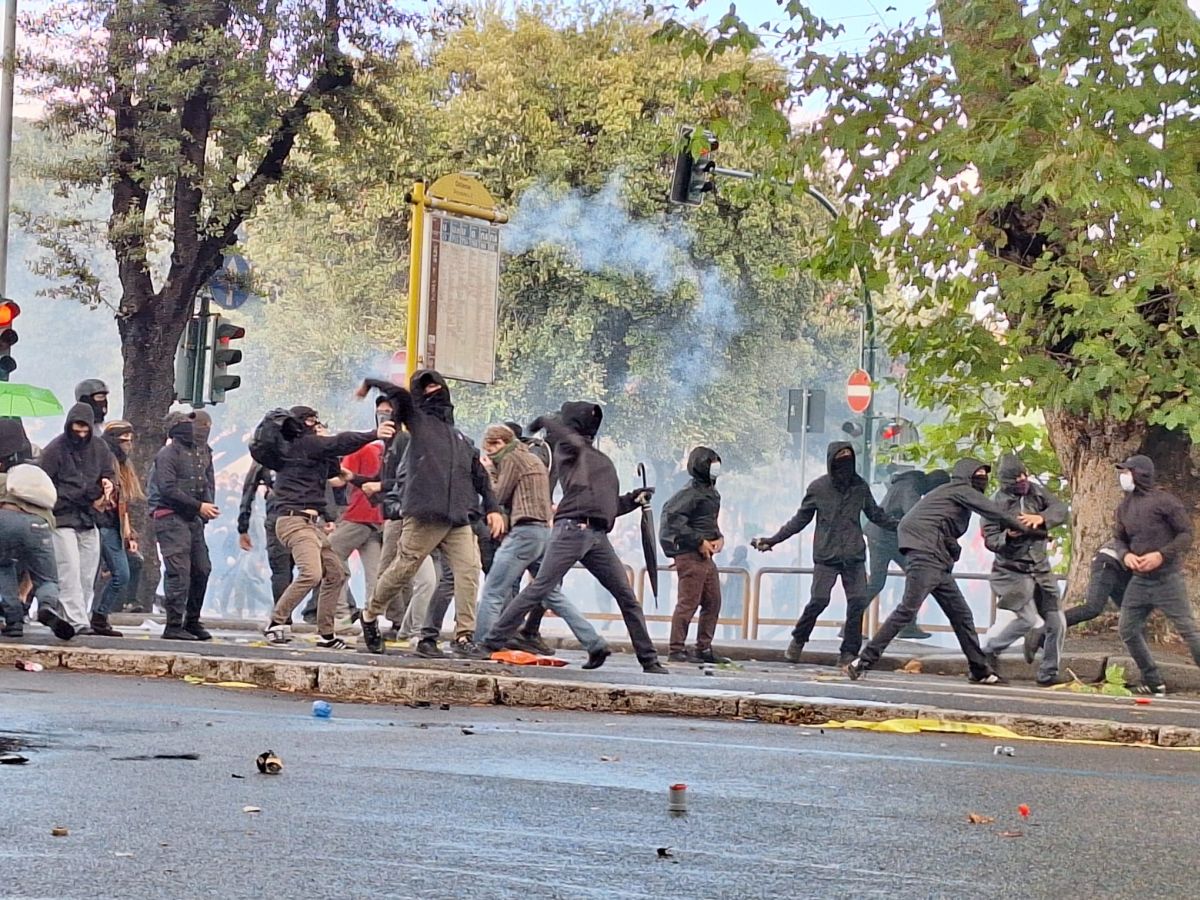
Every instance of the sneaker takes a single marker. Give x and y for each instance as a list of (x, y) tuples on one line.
[(535, 640), (520, 642), (793, 651), (1033, 642), (330, 642), (913, 632), (993, 660), (372, 639), (101, 627), (428, 649), (13, 631), (707, 656), (178, 633), (679, 656), (201, 633), (655, 668), (63, 630), (277, 634), (855, 669), (1050, 681), (468, 649), (1151, 690), (989, 678), (596, 658), (844, 659)]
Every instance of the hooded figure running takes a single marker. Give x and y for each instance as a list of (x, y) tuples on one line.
[(591, 502), (691, 537), (1153, 532), (1024, 584), (838, 500), (929, 541)]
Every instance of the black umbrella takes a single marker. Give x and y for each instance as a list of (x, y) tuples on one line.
[(649, 537)]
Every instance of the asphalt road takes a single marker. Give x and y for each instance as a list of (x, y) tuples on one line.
[(385, 801)]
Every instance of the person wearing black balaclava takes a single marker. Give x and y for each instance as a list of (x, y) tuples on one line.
[(1154, 533), (82, 469), (929, 536), (838, 500), (94, 393), (181, 499), (1025, 585), (444, 484)]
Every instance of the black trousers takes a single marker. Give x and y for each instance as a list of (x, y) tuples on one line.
[(439, 603), (925, 577), (854, 583), (280, 561), (1108, 582), (573, 542), (185, 559)]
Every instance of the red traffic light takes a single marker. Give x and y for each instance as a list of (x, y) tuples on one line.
[(891, 432), (9, 311)]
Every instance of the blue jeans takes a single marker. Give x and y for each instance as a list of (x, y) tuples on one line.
[(25, 543), (112, 551), (522, 547)]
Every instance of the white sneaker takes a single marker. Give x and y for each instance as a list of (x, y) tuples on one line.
[(278, 634)]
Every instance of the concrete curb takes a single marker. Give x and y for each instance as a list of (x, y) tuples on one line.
[(352, 682)]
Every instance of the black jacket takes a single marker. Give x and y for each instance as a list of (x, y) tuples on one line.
[(932, 528), (182, 479), (444, 481), (76, 468), (839, 500), (259, 476), (591, 489), (311, 461), (904, 490), (1150, 519), (690, 516), (1027, 553)]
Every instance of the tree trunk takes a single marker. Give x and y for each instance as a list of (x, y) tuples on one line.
[(148, 342), (1089, 451)]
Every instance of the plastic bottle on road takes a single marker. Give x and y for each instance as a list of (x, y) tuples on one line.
[(321, 709)]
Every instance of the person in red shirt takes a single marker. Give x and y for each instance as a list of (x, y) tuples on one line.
[(360, 527)]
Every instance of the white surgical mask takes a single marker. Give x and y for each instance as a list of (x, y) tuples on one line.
[(1126, 479), (714, 470)]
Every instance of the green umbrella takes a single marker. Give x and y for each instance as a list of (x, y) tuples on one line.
[(27, 401)]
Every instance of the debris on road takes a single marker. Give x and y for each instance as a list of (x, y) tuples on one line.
[(149, 756), (268, 763), (120, 855), (59, 831), (1003, 751), (321, 709), (445, 707), (418, 704), (610, 759), (978, 819), (1023, 809), (1012, 834), (912, 667), (251, 809), (467, 731), (12, 759), (665, 853), (677, 799), (236, 775), (26, 665)]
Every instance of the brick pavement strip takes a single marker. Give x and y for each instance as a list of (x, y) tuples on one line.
[(354, 682)]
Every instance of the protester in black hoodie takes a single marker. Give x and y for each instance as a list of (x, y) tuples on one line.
[(691, 537), (444, 482), (81, 467), (929, 541), (883, 547), (838, 500), (1022, 579), (1153, 531), (182, 499), (590, 504)]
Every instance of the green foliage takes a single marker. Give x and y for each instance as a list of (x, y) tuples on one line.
[(569, 104)]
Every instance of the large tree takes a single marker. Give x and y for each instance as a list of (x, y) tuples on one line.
[(1031, 171), (191, 111)]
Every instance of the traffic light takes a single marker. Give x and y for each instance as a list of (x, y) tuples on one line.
[(896, 432), (9, 311), (220, 357), (188, 361), (693, 174)]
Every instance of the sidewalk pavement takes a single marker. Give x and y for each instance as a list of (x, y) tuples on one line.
[(751, 689)]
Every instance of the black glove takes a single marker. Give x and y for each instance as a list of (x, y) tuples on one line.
[(642, 496)]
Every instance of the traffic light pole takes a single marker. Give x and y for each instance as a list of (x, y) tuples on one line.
[(8, 79), (866, 338)]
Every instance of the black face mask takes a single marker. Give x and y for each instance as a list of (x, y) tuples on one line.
[(842, 470), (184, 433), (99, 407), (979, 482), (438, 405), (1020, 488), (76, 440)]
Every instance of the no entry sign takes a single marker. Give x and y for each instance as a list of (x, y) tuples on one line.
[(858, 391)]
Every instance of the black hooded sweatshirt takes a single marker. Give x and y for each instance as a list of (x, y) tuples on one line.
[(932, 528), (839, 500), (312, 459), (1025, 554), (904, 490), (182, 476), (591, 490), (443, 479), (1150, 519), (76, 467), (690, 516)]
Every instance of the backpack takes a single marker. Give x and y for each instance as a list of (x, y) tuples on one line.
[(269, 445)]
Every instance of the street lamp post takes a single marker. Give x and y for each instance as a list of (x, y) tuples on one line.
[(8, 79)]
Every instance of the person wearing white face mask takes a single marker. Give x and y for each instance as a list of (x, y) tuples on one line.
[(691, 537), (1153, 531)]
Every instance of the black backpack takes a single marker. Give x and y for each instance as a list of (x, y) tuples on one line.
[(269, 445)]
